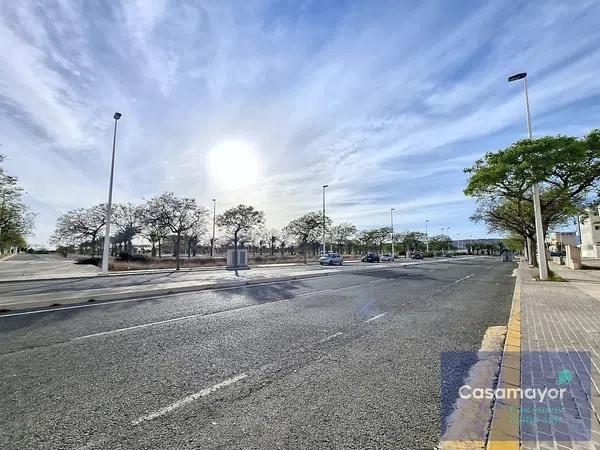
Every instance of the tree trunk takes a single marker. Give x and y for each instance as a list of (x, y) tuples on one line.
[(159, 249), (93, 246), (189, 250), (178, 241), (235, 249), (153, 249)]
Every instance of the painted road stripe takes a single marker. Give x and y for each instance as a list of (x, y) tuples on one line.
[(376, 317), (333, 336), (193, 316), (463, 278), (189, 399)]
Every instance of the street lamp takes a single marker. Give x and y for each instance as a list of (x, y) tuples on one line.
[(539, 232), (324, 225), (392, 226), (426, 235), (212, 243), (117, 116)]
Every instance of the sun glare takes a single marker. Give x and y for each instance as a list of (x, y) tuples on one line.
[(233, 164)]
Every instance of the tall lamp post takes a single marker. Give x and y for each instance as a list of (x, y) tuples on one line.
[(212, 242), (427, 235), (539, 232), (117, 116), (324, 225), (392, 226)]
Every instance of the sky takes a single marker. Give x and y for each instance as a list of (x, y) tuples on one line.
[(262, 103)]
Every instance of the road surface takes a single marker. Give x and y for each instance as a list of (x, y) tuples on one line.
[(344, 361)]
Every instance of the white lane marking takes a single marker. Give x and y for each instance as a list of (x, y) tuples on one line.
[(193, 316), (189, 399), (463, 278), (333, 336), (135, 327), (376, 317)]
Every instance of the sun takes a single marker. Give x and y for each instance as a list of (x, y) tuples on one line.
[(233, 164)]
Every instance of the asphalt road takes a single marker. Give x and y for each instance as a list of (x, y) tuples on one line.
[(344, 361)]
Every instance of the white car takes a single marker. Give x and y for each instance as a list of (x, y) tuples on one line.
[(387, 257), (330, 259)]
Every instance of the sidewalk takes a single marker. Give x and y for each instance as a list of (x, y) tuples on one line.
[(561, 317)]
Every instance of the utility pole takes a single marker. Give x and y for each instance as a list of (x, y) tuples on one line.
[(539, 231), (117, 116), (212, 242), (324, 225), (392, 226)]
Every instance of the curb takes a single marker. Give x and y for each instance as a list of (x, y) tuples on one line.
[(504, 433), (148, 293), (10, 255)]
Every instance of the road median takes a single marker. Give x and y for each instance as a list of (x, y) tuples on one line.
[(138, 291)]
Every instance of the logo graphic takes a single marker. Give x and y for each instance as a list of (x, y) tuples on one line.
[(565, 376)]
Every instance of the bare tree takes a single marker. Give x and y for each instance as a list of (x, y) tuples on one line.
[(341, 234), (173, 214), (240, 221), (199, 217), (271, 236), (129, 221), (79, 225)]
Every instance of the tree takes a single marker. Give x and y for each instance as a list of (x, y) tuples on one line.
[(567, 170), (199, 217), (128, 219), (152, 228), (341, 234), (80, 225), (307, 229), (380, 235), (16, 219), (412, 240), (272, 235), (238, 221), (174, 214)]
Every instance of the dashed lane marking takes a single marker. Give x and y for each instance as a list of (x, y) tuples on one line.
[(189, 399)]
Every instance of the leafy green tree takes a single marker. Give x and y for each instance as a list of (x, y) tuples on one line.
[(307, 229), (567, 170)]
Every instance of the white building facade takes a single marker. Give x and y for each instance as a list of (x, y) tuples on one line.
[(589, 226), (559, 239)]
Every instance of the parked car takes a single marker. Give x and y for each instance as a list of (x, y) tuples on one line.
[(386, 257), (371, 257), (330, 259), (417, 255), (447, 255)]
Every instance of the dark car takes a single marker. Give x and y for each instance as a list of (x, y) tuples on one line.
[(371, 257), (417, 255)]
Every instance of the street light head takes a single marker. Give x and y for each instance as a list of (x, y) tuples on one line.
[(214, 199), (325, 185), (117, 116), (392, 209), (517, 76)]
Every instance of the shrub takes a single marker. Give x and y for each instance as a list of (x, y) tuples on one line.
[(124, 256), (95, 261)]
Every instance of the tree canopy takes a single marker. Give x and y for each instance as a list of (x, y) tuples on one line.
[(16, 219)]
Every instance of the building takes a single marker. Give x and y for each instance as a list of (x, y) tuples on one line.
[(557, 240), (589, 228)]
